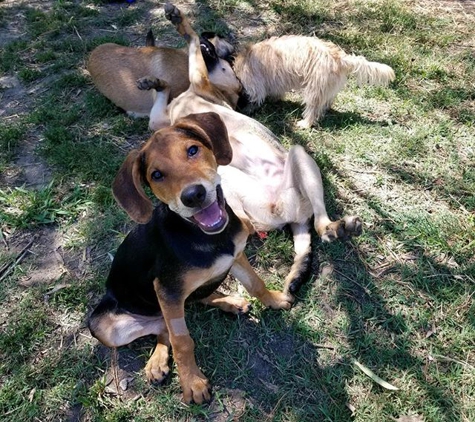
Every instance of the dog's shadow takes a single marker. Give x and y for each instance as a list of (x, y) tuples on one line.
[(281, 117)]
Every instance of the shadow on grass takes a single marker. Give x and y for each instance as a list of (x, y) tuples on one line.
[(455, 190)]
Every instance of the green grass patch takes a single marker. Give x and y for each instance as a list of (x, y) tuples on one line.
[(24, 208), (10, 137), (399, 299)]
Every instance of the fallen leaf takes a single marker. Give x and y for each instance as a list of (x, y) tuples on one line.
[(374, 377), (352, 408)]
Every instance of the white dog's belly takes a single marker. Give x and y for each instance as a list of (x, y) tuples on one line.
[(263, 200)]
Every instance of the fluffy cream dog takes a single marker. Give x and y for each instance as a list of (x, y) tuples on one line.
[(319, 69)]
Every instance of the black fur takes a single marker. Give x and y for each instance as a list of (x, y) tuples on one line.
[(209, 54), (166, 247), (303, 274), (150, 39)]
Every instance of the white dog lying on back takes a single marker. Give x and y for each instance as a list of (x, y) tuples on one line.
[(319, 69)]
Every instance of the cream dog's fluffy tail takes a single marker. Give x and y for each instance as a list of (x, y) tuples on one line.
[(366, 72)]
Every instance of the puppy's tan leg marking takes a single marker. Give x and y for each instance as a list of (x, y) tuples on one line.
[(157, 368), (194, 384), (232, 304), (243, 271)]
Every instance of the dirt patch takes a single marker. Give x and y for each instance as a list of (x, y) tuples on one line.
[(43, 255)]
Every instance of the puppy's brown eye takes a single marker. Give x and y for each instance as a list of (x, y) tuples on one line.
[(157, 175), (193, 150)]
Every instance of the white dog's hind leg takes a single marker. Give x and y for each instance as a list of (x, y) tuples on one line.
[(302, 173), (300, 271)]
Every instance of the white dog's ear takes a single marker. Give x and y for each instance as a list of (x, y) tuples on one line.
[(128, 191), (210, 128)]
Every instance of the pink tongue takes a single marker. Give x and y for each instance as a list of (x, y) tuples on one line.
[(209, 216)]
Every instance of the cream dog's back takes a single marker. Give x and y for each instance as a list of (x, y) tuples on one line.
[(114, 69)]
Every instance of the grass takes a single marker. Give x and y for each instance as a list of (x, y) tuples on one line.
[(398, 299)]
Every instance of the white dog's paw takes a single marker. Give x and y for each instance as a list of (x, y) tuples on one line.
[(304, 124)]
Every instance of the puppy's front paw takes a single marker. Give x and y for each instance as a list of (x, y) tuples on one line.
[(237, 305), (343, 229), (150, 82), (196, 388), (157, 369), (172, 13)]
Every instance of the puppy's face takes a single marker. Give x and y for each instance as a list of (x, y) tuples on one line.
[(181, 172), (179, 164)]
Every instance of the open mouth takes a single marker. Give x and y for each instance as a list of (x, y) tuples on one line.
[(214, 218)]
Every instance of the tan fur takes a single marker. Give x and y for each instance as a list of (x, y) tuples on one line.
[(114, 69), (318, 69)]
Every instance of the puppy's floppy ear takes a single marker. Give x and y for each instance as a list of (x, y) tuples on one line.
[(211, 129), (128, 191)]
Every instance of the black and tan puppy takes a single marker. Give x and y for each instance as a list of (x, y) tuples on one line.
[(183, 249)]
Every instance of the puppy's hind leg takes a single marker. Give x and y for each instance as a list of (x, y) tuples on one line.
[(243, 271), (115, 327), (161, 92)]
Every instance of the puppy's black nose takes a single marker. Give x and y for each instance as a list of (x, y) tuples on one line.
[(193, 196)]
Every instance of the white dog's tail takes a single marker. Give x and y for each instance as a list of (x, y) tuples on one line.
[(372, 73)]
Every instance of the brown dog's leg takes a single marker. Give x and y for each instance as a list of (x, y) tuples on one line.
[(194, 384), (232, 304), (243, 271)]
